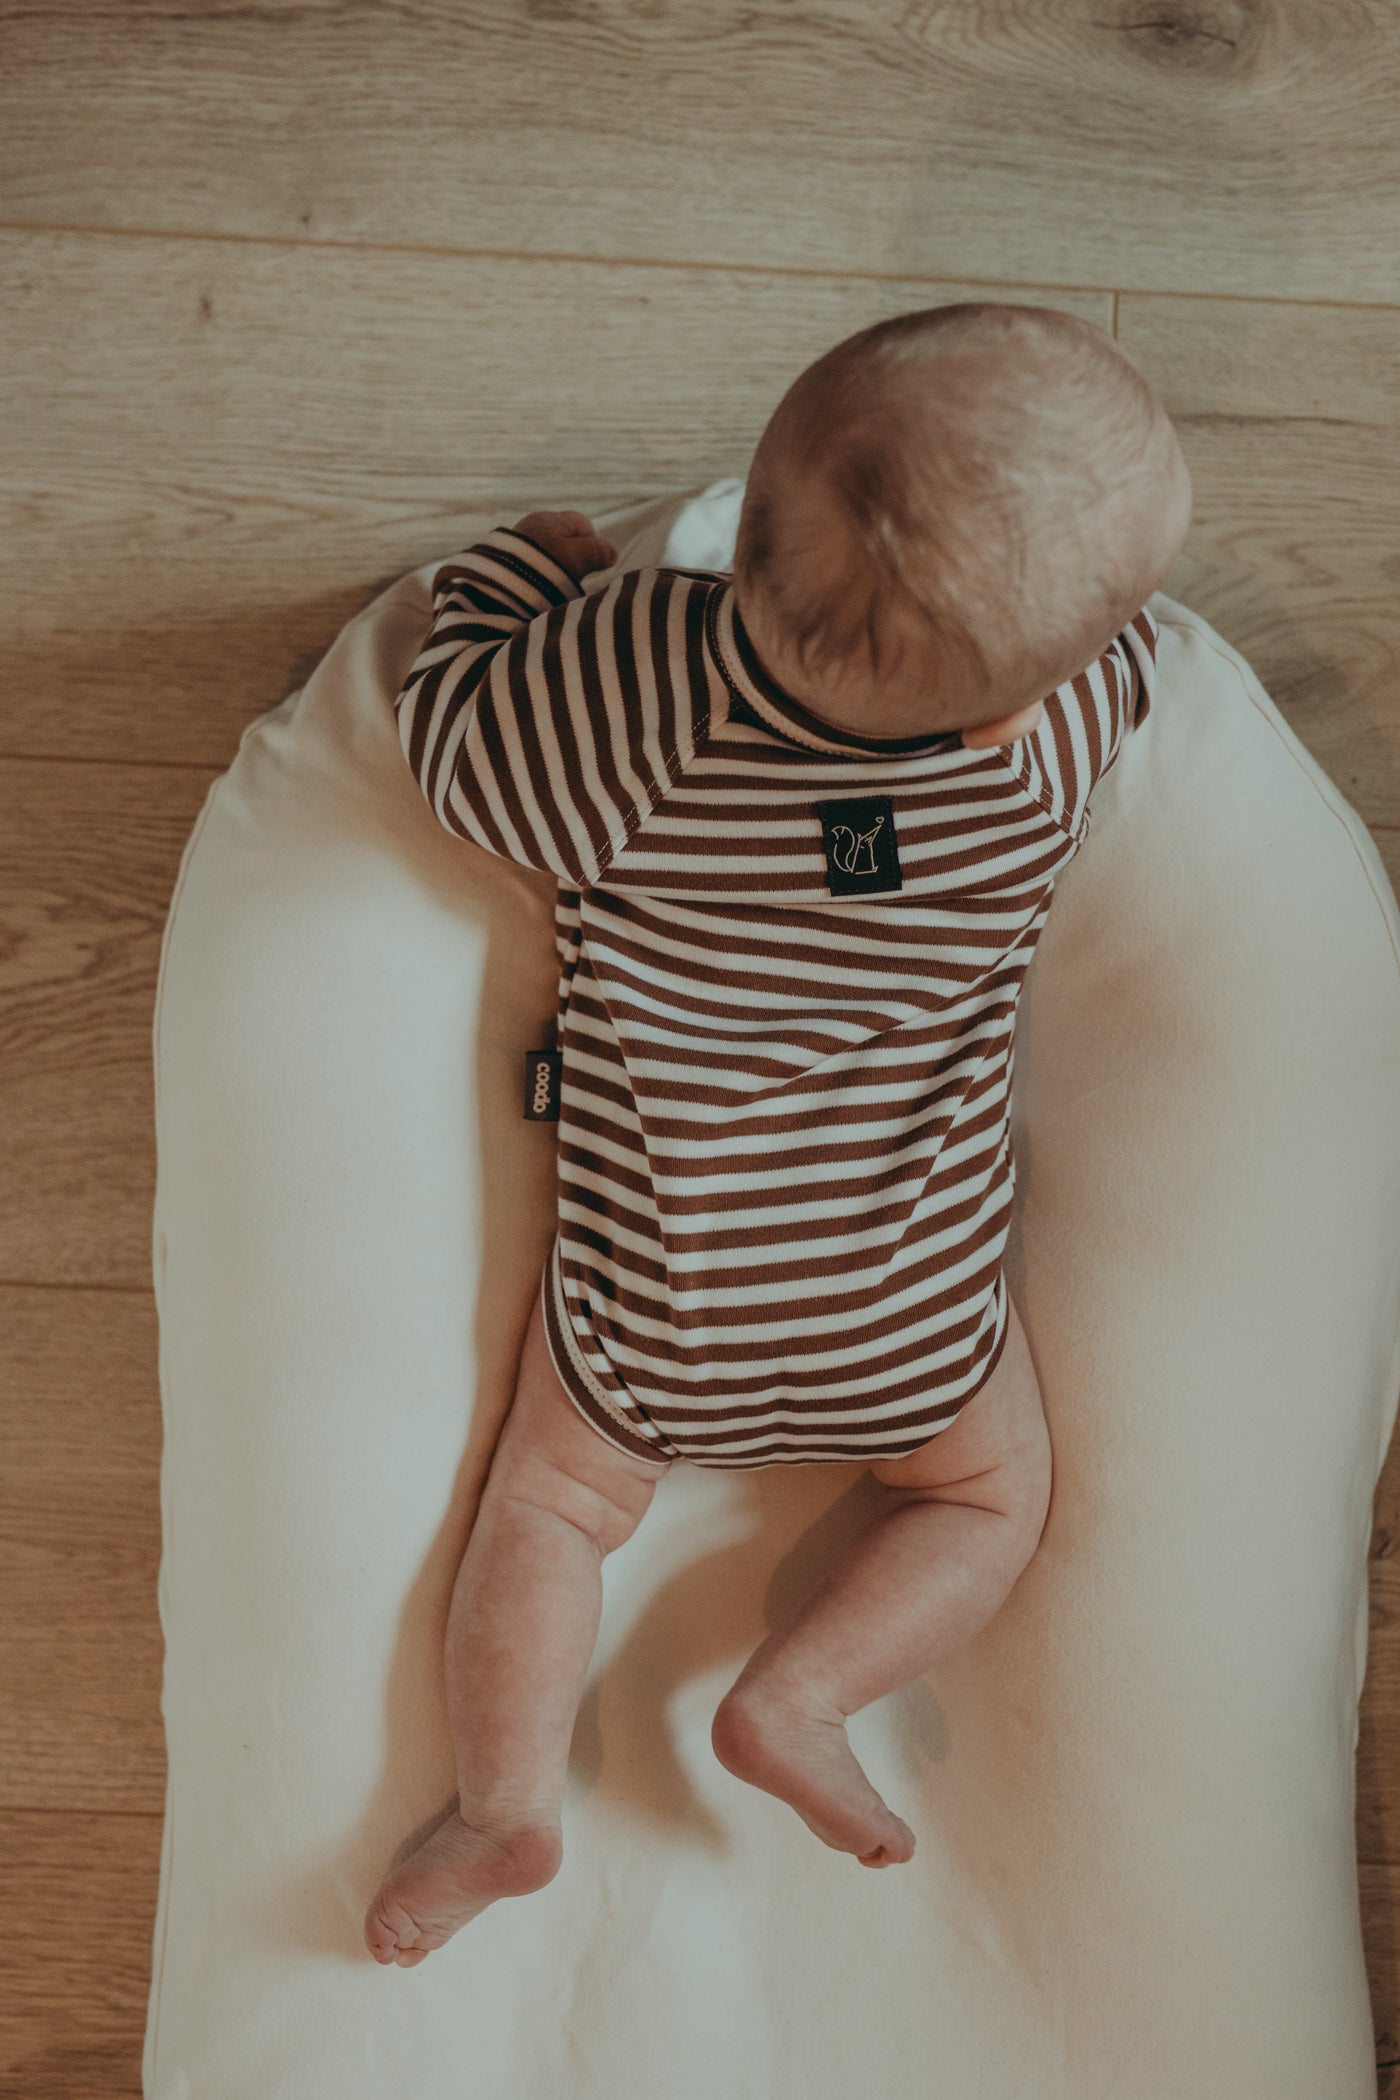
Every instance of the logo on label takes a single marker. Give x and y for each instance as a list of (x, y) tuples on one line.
[(543, 1069), (862, 853)]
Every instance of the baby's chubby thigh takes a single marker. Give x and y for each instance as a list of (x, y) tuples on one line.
[(548, 1454), (995, 1454)]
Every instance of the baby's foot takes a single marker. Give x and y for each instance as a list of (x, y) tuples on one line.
[(800, 1753), (457, 1870)]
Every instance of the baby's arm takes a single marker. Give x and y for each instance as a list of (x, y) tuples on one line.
[(495, 659), (1084, 724)]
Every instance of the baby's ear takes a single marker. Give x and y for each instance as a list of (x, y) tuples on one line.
[(1005, 730)]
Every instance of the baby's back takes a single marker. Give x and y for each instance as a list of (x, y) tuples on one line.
[(790, 962)]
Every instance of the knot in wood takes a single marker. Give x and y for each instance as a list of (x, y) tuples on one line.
[(1179, 34)]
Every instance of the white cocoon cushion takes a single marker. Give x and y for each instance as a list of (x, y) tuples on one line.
[(1133, 1793)]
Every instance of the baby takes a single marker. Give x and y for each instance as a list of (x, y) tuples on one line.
[(806, 823)]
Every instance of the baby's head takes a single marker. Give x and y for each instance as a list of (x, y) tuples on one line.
[(953, 512)]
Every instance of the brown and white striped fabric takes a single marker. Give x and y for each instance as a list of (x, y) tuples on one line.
[(785, 1162)]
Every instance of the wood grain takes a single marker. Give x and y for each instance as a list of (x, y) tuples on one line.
[(263, 529), (1380, 1909), (88, 859), (80, 1892), (1203, 145), (1378, 1804), (80, 1646), (1290, 421), (281, 433), (1387, 838)]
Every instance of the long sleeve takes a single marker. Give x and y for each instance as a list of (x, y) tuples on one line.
[(1085, 721), (485, 603), (534, 718)]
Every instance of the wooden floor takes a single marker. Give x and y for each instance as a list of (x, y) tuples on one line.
[(297, 297)]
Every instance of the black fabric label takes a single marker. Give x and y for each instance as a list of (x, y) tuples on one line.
[(543, 1077), (862, 853)]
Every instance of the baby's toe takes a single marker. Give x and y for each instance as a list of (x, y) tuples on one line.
[(390, 1933), (892, 1851)]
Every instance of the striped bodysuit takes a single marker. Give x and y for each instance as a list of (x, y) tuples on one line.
[(790, 958)]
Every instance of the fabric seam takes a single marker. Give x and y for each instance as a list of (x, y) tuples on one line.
[(521, 567), (571, 1344), (673, 766), (1037, 796)]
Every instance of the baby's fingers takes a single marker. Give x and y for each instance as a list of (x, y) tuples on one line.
[(569, 536), (582, 552), (587, 549)]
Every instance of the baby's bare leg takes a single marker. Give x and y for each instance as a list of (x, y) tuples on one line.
[(520, 1634), (962, 1517)]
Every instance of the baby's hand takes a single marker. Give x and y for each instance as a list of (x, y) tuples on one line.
[(569, 537)]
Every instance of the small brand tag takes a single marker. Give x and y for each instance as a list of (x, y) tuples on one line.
[(862, 853), (543, 1072)]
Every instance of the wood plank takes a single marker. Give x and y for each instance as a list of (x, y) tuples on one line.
[(81, 1890), (1378, 1774), (1380, 1910), (1290, 421), (88, 859), (1377, 1786), (1219, 147), (281, 432), (80, 1639)]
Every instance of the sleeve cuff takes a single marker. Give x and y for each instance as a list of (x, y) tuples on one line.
[(507, 557)]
